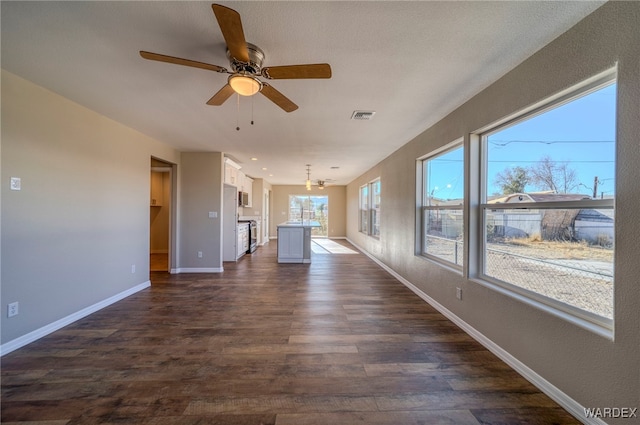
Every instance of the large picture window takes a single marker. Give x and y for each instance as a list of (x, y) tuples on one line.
[(370, 208), (547, 211), (442, 229)]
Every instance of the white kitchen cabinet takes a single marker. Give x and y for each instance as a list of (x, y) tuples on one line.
[(230, 175), (294, 242), (231, 172), (243, 239), (240, 180)]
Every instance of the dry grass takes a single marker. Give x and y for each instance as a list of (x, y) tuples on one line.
[(534, 246)]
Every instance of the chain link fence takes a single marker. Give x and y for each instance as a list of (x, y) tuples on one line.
[(585, 284), (451, 250)]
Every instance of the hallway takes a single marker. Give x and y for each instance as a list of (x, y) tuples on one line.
[(337, 341)]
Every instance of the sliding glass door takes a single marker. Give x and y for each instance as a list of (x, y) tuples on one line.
[(310, 209)]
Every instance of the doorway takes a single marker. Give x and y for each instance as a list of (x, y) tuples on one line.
[(160, 215)]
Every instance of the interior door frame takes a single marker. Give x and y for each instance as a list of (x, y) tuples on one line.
[(171, 168)]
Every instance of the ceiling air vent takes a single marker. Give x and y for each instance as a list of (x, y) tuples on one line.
[(362, 115)]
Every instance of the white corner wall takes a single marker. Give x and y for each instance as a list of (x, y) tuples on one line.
[(71, 235), (582, 367)]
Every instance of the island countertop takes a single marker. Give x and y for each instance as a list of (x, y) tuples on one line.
[(300, 224)]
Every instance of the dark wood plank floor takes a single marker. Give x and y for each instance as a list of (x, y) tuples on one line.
[(338, 341)]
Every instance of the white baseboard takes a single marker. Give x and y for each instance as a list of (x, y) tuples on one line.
[(569, 404), (197, 270), (19, 342)]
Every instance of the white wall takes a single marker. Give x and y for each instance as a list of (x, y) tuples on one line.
[(592, 370), (81, 220)]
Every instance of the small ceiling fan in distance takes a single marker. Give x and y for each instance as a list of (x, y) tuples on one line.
[(323, 183), (246, 60)]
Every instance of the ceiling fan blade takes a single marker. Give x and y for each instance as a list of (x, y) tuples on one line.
[(278, 98), (223, 94), (231, 27), (316, 70), (180, 61)]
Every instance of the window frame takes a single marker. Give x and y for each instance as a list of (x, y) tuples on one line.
[(369, 214), (475, 205), (424, 207), (550, 304)]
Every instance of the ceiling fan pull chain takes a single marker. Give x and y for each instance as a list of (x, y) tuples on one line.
[(252, 97), (238, 113)]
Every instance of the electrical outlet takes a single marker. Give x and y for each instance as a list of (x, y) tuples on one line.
[(12, 309), (459, 293), (199, 254), (133, 268)]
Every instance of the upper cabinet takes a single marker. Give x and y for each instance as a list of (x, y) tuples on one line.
[(235, 177), (231, 171)]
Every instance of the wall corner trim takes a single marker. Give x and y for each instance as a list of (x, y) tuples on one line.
[(19, 342), (568, 403)]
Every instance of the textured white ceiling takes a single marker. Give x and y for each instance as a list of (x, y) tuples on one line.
[(411, 62)]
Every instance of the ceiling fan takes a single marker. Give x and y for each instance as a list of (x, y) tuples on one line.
[(245, 60), (323, 183)]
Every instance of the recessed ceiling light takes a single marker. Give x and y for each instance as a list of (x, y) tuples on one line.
[(254, 159), (264, 168)]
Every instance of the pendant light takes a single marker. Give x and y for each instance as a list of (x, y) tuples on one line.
[(308, 176)]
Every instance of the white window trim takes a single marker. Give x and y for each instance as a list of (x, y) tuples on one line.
[(475, 205), (421, 208), (369, 228), (595, 323)]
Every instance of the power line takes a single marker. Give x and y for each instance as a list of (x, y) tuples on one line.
[(547, 142), (568, 161)]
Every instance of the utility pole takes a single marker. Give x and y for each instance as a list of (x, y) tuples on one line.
[(595, 187)]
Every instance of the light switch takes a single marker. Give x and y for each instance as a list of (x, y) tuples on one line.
[(15, 183), (213, 214)]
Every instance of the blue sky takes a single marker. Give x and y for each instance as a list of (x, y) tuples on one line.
[(580, 133)]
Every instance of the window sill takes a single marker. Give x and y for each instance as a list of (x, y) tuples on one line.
[(596, 328)]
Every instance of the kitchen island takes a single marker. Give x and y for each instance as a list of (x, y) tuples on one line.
[(294, 241)]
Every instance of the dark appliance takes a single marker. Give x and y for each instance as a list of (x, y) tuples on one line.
[(253, 235), (243, 199)]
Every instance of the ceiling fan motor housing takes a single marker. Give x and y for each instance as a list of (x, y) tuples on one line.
[(254, 66)]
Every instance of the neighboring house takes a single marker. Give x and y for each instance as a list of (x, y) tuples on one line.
[(593, 226)]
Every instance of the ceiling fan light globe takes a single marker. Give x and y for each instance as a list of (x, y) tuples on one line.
[(245, 85)]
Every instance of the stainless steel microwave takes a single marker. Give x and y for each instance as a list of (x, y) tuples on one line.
[(243, 199)]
